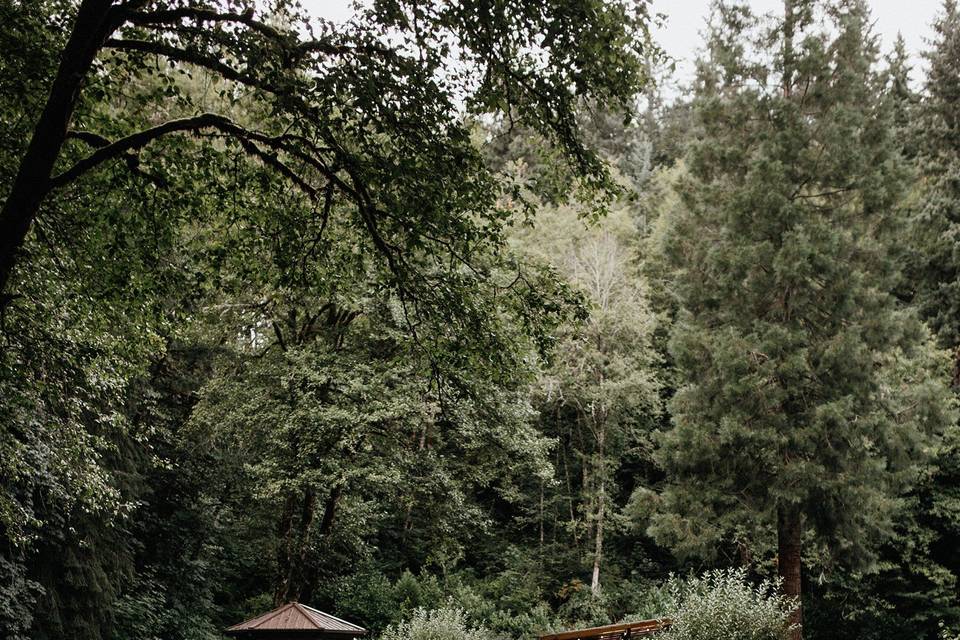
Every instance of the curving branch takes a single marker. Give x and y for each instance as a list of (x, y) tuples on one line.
[(288, 41), (271, 160), (89, 137), (250, 140), (177, 54), (132, 142), (202, 14), (131, 159)]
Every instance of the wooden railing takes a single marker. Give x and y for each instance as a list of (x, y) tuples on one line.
[(612, 631)]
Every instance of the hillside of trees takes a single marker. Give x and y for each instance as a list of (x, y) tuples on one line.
[(452, 314)]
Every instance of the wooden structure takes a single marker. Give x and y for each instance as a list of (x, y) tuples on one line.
[(296, 621), (644, 628)]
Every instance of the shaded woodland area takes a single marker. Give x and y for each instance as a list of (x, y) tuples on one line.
[(450, 317)]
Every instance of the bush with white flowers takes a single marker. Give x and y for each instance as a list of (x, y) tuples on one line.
[(724, 605), (438, 624)]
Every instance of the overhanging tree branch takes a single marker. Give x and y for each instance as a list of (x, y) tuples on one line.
[(177, 54), (271, 160), (203, 14), (288, 41), (248, 139), (135, 141), (131, 159), (89, 137)]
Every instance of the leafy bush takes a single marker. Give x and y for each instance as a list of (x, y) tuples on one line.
[(582, 608), (417, 592), (947, 634), (654, 602), (439, 624), (366, 597), (722, 605)]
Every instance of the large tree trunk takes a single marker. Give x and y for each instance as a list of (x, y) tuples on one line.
[(789, 562), (309, 578), (94, 23)]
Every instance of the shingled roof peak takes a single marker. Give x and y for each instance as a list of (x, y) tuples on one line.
[(297, 617)]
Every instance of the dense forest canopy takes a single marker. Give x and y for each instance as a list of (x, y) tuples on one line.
[(444, 319)]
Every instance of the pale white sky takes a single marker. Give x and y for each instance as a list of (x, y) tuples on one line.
[(680, 37)]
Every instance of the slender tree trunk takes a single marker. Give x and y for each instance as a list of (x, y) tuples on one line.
[(598, 541), (422, 444), (789, 30), (94, 23), (789, 527), (789, 562), (955, 382), (284, 533), (541, 519), (789, 522), (601, 511), (296, 581), (588, 499), (570, 506), (298, 568)]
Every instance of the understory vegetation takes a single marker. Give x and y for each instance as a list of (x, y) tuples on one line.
[(451, 321)]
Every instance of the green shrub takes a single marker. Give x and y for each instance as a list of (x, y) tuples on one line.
[(948, 634), (417, 592), (366, 597), (722, 605), (439, 624), (510, 604), (655, 601)]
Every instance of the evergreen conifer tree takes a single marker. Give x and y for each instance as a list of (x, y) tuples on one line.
[(936, 224), (902, 96), (931, 533), (810, 393)]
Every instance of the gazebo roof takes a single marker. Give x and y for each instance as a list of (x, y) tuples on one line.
[(296, 620)]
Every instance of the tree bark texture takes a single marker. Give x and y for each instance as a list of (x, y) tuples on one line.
[(789, 561)]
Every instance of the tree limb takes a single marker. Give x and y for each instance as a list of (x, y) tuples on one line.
[(131, 159), (191, 57), (275, 163), (91, 138), (135, 141), (203, 14), (288, 41), (356, 191)]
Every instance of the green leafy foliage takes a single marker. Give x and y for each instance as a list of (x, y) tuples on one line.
[(438, 624), (419, 319), (723, 605)]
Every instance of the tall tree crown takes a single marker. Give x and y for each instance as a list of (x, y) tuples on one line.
[(808, 386)]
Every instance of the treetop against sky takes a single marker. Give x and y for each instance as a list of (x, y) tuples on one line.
[(681, 34)]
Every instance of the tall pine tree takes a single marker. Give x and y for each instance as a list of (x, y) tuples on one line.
[(810, 394), (936, 224), (932, 532)]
